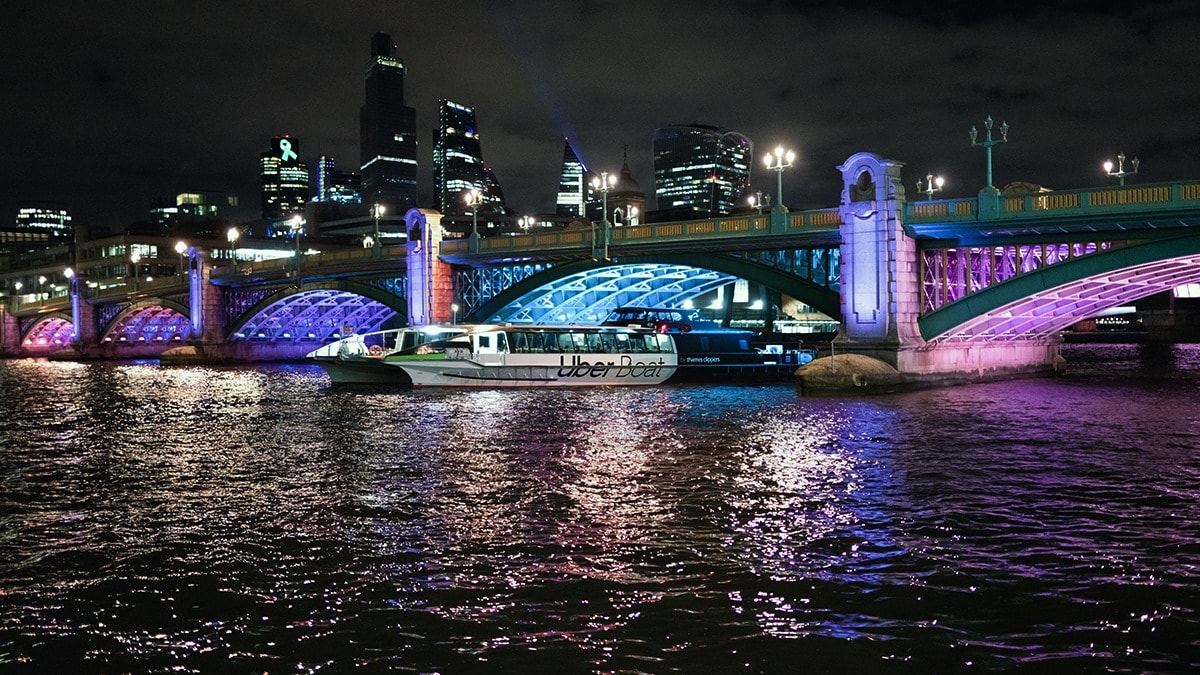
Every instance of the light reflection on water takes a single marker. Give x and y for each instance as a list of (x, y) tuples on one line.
[(210, 519)]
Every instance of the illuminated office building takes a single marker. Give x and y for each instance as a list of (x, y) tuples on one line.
[(702, 167), (458, 161), (340, 187), (284, 179), (194, 206), (572, 184), (387, 132), (50, 218)]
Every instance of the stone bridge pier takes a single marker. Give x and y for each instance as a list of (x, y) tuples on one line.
[(881, 294)]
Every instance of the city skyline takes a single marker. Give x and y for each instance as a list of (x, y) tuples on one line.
[(133, 103)]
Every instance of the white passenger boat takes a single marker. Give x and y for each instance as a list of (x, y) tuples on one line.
[(501, 356)]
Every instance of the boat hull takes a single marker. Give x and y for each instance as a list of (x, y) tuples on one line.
[(357, 370)]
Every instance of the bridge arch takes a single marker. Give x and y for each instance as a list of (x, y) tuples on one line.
[(586, 291), (148, 320), (48, 333), (317, 311), (1045, 301)]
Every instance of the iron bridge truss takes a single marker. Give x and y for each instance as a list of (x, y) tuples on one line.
[(589, 296), (317, 314), (821, 266), (951, 274)]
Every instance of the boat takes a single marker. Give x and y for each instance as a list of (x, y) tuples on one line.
[(500, 355), (706, 348)]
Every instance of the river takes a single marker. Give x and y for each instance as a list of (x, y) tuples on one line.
[(189, 519)]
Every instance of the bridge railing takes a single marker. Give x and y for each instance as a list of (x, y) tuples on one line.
[(650, 233), (327, 259), (1066, 203)]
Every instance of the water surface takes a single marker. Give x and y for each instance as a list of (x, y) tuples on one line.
[(160, 519)]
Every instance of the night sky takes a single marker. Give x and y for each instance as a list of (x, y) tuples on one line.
[(112, 106)]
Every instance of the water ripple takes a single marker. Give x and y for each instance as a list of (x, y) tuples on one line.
[(206, 519)]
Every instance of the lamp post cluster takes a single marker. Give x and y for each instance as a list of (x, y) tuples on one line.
[(1120, 173), (297, 225), (931, 184), (376, 244), (474, 198), (604, 182), (777, 162), (181, 248), (134, 258), (987, 144)]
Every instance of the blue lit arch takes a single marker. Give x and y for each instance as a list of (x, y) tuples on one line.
[(317, 311), (586, 291)]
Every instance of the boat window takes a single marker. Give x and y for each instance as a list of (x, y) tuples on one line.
[(593, 343), (501, 343), (608, 344), (622, 342), (578, 342), (520, 343), (635, 344), (656, 343), (485, 342)]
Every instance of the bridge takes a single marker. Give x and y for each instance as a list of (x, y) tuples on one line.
[(964, 287)]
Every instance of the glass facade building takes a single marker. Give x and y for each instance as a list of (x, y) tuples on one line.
[(387, 132), (342, 187), (703, 167), (284, 179), (572, 184), (458, 161)]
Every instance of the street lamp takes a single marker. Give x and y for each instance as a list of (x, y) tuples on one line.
[(988, 143), (232, 235), (474, 198), (712, 199), (453, 313), (377, 211), (1121, 172), (297, 225), (932, 185), (181, 248), (526, 222), (777, 162), (18, 286), (604, 182), (135, 258)]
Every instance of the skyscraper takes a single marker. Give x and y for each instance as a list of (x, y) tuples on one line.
[(387, 132), (284, 179), (572, 188), (458, 160), (342, 187), (703, 167)]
